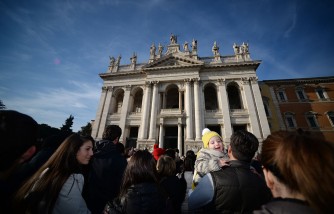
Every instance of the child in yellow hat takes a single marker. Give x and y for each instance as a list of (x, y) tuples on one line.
[(211, 157)]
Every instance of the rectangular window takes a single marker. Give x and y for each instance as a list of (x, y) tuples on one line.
[(320, 93), (331, 118), (281, 95), (311, 121), (291, 124), (301, 95)]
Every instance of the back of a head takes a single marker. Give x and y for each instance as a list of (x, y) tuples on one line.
[(244, 145), (170, 153), (304, 164), (111, 132), (18, 132), (141, 167), (166, 166)]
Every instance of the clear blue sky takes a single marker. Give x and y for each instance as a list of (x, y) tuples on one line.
[(51, 52)]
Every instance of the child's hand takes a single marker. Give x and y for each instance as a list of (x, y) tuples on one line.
[(223, 162)]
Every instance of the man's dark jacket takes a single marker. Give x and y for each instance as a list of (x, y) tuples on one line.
[(105, 176), (238, 189)]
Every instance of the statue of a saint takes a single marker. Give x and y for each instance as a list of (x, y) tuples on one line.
[(185, 47), (112, 61), (236, 49), (152, 50), (215, 49), (173, 39), (245, 47), (133, 59), (194, 45), (118, 60), (160, 49)]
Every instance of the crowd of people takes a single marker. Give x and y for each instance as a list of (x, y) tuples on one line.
[(292, 174)]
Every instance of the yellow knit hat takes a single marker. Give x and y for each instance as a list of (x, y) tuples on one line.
[(207, 135)]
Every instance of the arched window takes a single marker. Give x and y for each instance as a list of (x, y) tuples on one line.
[(172, 97), (233, 93), (210, 97), (119, 102), (137, 100)]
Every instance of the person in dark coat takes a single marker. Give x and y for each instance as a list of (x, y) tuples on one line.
[(174, 187), (106, 171), (140, 191), (235, 189), (18, 141), (299, 170)]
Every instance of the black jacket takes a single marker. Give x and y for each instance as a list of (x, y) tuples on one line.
[(105, 176), (175, 188), (285, 206), (238, 189), (140, 198)]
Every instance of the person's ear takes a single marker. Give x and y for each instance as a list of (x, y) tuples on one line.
[(28, 154), (270, 181)]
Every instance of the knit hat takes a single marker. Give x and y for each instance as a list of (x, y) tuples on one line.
[(207, 135), (157, 152)]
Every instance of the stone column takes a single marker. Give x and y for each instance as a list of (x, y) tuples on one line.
[(253, 116), (161, 134), (180, 100), (188, 108), (99, 113), (153, 111), (146, 105), (179, 136), (198, 117), (225, 110), (260, 108), (124, 111)]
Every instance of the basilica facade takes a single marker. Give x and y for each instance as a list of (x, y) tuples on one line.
[(175, 95)]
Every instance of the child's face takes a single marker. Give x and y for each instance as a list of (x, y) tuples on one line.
[(216, 143)]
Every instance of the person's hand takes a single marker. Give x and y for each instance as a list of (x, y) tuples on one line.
[(223, 162)]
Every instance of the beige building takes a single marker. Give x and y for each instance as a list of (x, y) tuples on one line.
[(172, 97)]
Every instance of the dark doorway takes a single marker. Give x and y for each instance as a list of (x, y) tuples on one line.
[(215, 129), (131, 141), (170, 138), (239, 127)]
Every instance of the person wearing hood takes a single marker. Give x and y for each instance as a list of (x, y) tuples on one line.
[(106, 170)]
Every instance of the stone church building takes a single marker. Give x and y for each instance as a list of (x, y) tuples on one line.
[(172, 97)]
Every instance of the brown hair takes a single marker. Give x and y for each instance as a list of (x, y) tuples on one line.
[(166, 166), (60, 166), (302, 163), (140, 169)]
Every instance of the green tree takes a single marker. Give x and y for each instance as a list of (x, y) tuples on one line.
[(86, 130), (67, 127), (2, 106)]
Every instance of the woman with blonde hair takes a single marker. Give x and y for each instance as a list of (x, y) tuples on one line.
[(57, 186), (299, 170)]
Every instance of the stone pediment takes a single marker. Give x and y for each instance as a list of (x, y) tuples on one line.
[(175, 60)]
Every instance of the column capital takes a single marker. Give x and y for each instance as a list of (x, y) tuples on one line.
[(244, 80), (188, 80), (196, 80), (104, 88), (253, 79), (110, 88), (155, 82), (221, 81)]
